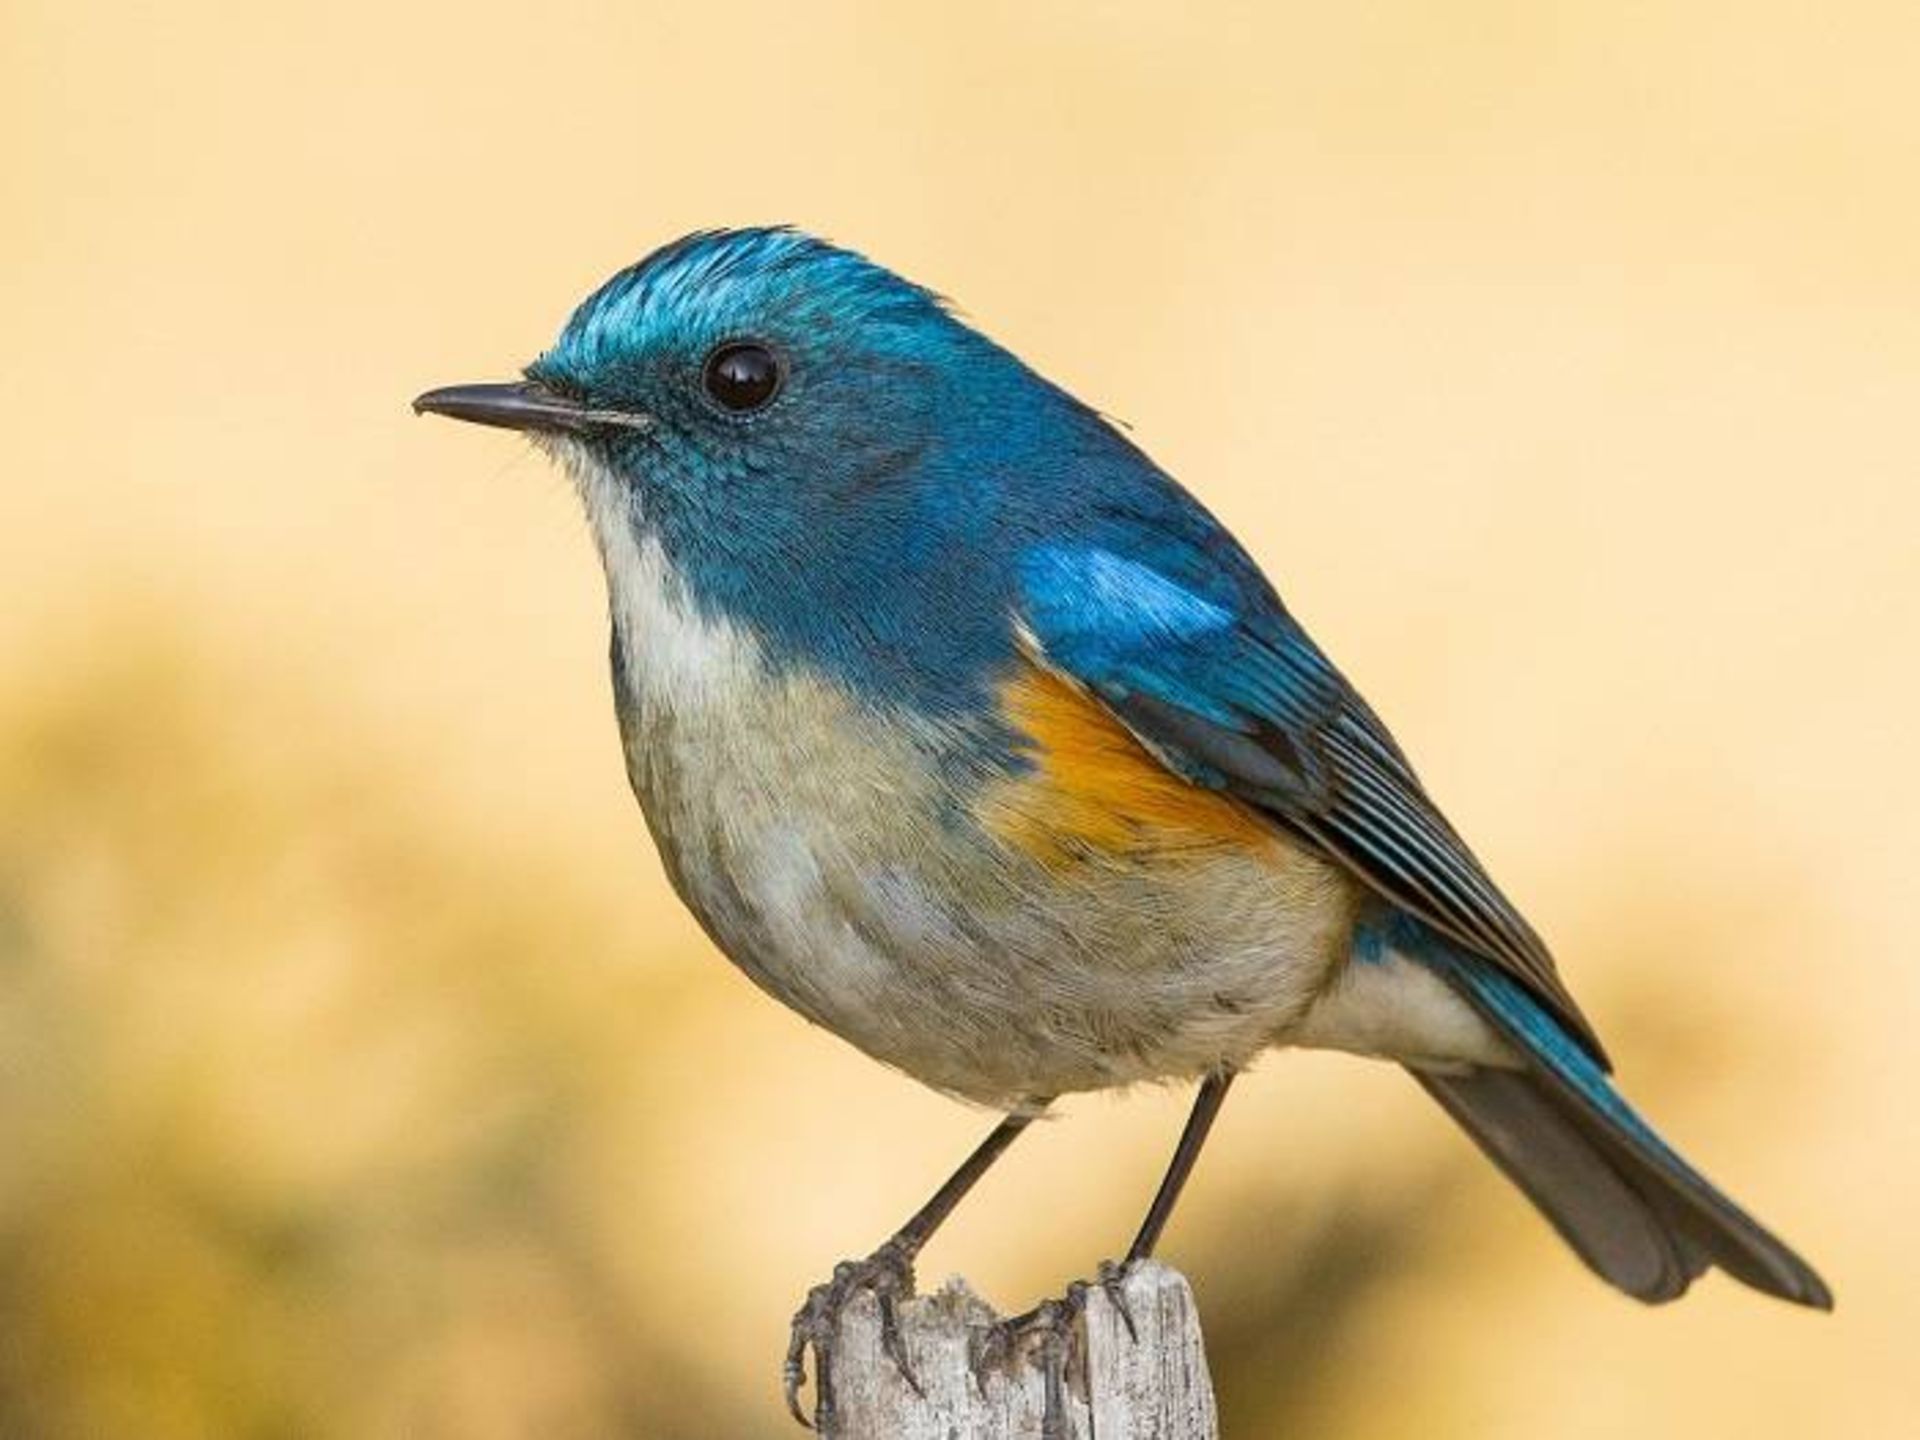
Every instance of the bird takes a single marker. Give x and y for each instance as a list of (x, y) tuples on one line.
[(970, 735)]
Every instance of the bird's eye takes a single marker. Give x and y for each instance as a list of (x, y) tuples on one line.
[(742, 375)]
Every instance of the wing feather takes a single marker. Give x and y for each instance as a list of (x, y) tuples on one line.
[(1193, 653)]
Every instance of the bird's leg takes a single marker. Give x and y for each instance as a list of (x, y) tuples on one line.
[(888, 1275), (1206, 1107), (1053, 1333)]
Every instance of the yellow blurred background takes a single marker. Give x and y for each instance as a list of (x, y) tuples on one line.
[(359, 1075)]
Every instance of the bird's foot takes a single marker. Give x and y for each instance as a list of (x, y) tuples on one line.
[(887, 1275), (1053, 1336), (1112, 1276)]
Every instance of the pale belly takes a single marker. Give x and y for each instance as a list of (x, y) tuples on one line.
[(821, 850)]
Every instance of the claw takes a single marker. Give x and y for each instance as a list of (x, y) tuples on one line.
[(1113, 1280), (1053, 1336), (1055, 1353), (887, 1275), (793, 1374), (894, 1345)]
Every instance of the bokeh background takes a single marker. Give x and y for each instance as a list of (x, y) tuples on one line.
[(359, 1075)]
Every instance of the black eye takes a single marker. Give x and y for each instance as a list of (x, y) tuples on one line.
[(742, 375)]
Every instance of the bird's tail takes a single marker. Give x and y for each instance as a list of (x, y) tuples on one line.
[(1640, 1216)]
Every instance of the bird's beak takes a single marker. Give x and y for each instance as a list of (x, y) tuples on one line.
[(524, 405)]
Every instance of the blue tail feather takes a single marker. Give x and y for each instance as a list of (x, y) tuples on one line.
[(1635, 1211)]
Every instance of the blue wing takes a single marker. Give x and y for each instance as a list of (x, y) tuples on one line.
[(1165, 619)]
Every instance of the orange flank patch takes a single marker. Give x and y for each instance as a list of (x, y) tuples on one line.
[(1095, 791)]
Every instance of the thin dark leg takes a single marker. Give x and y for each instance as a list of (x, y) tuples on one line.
[(888, 1275), (1205, 1107), (1055, 1322), (912, 1236)]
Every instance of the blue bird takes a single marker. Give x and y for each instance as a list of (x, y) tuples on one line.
[(969, 734)]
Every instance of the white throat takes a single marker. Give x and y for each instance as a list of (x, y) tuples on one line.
[(675, 658)]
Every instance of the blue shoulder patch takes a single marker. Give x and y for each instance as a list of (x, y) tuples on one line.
[(1090, 593)]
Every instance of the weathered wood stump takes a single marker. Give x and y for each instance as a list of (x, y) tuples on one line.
[(1149, 1385)]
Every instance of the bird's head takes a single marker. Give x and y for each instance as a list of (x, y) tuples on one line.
[(805, 435), (743, 382)]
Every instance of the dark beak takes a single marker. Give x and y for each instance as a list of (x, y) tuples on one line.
[(526, 405)]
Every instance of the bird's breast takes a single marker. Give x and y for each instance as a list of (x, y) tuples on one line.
[(998, 917)]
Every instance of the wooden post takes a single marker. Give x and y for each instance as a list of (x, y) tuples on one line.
[(1149, 1386)]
